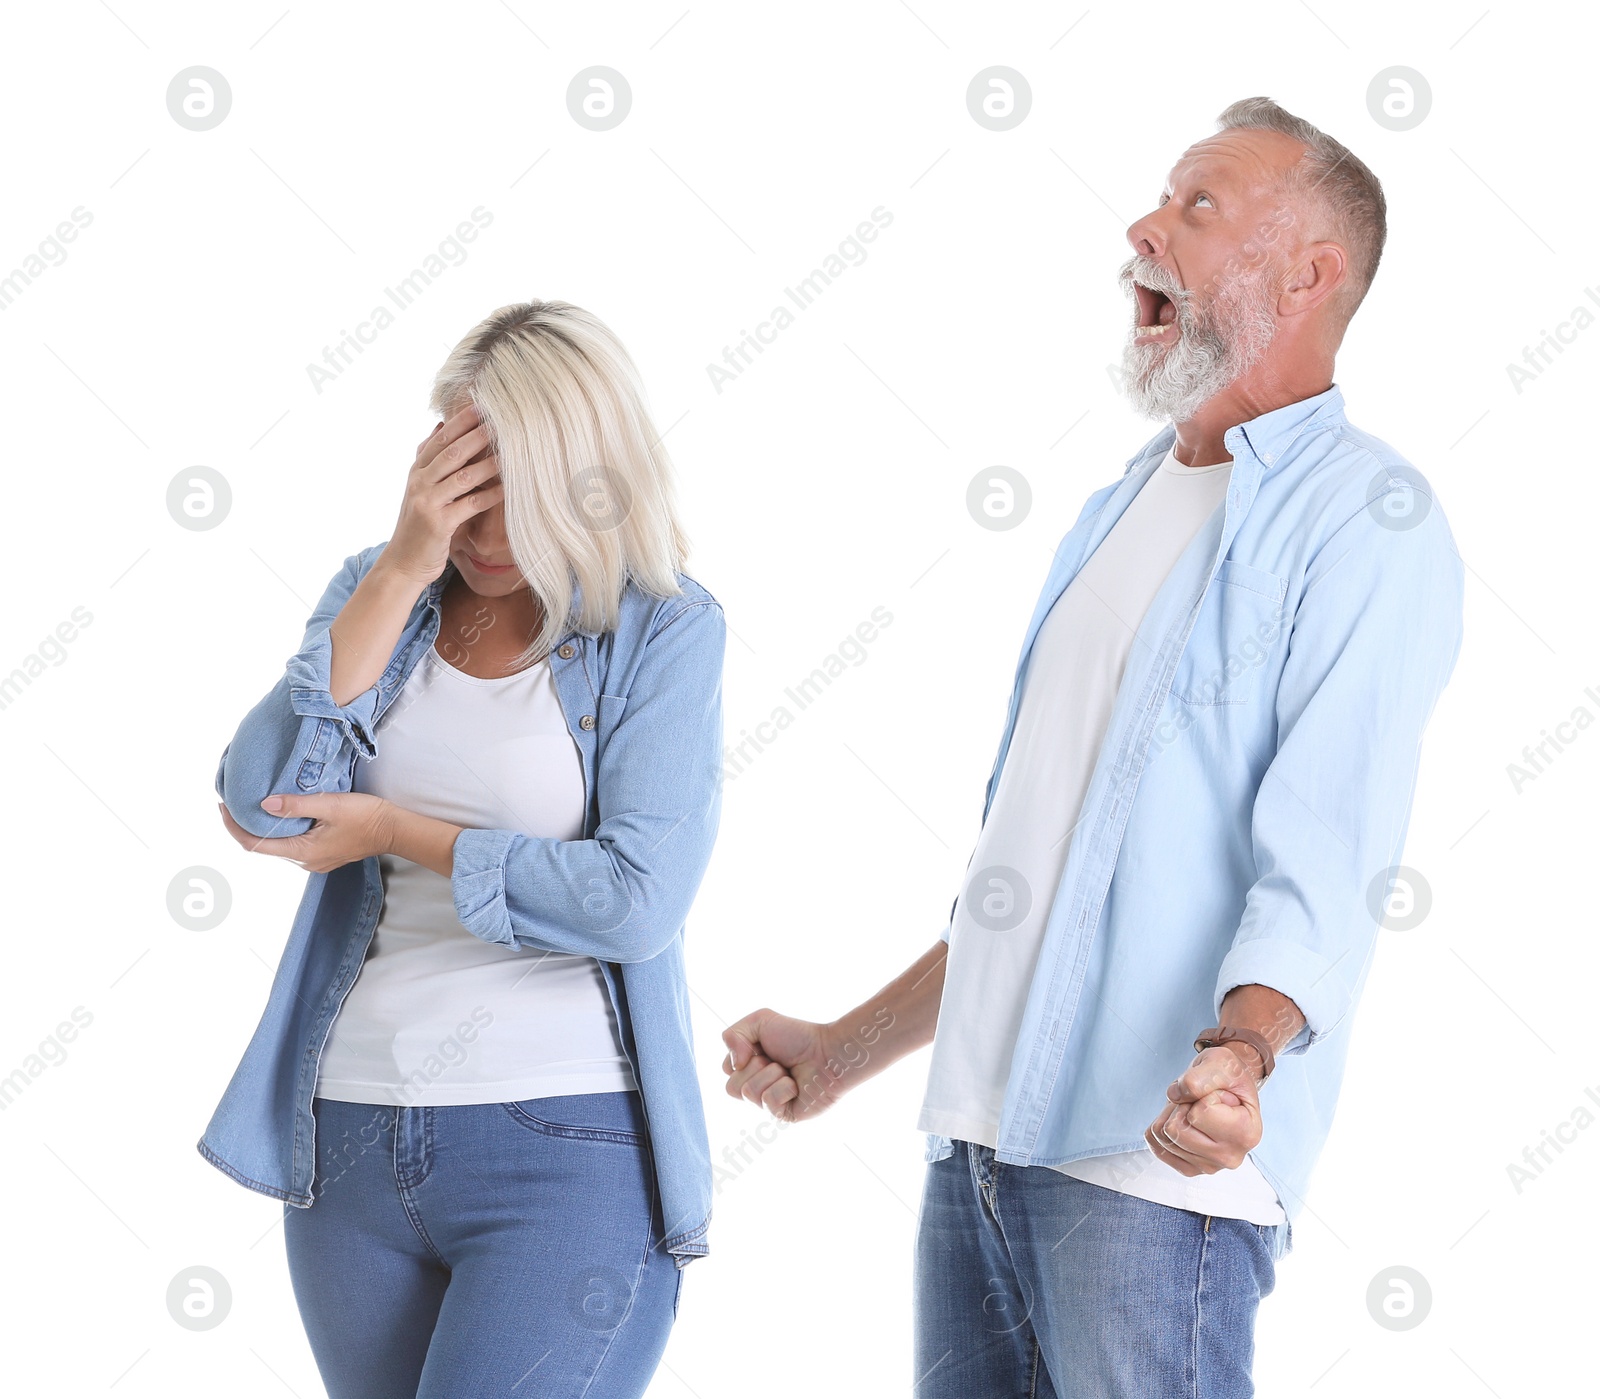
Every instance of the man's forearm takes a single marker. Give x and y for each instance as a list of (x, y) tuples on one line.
[(895, 1021)]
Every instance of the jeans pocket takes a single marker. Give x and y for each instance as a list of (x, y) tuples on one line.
[(1276, 1238), (604, 1117)]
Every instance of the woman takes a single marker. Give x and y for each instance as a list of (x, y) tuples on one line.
[(498, 755)]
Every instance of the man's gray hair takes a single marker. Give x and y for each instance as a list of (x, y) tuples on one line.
[(1331, 181)]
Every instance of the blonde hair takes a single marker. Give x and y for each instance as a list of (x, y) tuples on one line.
[(589, 502)]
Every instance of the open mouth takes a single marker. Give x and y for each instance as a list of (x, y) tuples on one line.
[(1156, 314)]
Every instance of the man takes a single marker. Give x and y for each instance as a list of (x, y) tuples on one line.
[(1190, 831)]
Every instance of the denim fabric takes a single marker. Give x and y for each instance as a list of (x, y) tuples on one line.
[(1034, 1284), (497, 1248), (643, 703), (1251, 794)]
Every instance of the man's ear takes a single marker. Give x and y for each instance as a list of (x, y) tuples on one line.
[(1318, 272)]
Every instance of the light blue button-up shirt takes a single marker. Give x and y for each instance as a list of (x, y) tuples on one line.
[(1251, 794), (643, 703)]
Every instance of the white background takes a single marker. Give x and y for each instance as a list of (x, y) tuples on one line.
[(827, 480)]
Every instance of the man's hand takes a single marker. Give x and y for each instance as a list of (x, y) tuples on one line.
[(1215, 1114), (349, 826), (793, 1068), (798, 1068)]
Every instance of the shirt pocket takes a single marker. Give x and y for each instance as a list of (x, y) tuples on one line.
[(608, 712), (1237, 632)]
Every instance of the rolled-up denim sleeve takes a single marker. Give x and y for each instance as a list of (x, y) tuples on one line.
[(623, 894), (296, 739), (1373, 642)]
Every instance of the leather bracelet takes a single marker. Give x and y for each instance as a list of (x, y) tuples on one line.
[(1237, 1034)]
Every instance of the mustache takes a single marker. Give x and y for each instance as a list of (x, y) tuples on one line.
[(1141, 271)]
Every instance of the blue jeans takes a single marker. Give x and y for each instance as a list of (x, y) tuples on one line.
[(1033, 1284), (494, 1249)]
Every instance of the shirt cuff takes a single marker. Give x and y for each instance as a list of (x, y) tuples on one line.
[(1290, 970), (478, 883), (311, 696)]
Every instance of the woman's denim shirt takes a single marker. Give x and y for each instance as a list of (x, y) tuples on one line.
[(644, 705)]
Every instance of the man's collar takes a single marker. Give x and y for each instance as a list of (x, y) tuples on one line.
[(1267, 437), (1270, 435)]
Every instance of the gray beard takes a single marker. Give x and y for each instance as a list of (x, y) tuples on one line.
[(1214, 349)]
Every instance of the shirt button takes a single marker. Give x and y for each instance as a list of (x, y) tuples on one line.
[(587, 722), (565, 651)]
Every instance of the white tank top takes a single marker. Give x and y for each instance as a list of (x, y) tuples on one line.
[(437, 1016)]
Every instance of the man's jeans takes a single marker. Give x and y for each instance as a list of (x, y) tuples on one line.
[(1031, 1283)]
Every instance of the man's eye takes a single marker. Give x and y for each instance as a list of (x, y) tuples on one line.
[(1205, 197)]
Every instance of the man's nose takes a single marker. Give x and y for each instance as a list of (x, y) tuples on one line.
[(1147, 237)]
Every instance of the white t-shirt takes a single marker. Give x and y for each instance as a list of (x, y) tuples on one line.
[(1073, 674), (438, 1016)]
